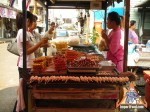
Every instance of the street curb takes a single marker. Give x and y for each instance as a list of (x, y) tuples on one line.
[(7, 41), (2, 42)]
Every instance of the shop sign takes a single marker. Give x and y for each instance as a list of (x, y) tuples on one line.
[(131, 101), (11, 14), (4, 12)]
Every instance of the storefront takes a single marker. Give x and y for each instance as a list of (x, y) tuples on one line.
[(7, 23)]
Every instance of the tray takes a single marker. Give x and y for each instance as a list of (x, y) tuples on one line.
[(87, 49), (84, 68), (81, 71), (50, 70), (107, 65)]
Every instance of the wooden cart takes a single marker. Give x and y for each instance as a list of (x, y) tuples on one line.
[(70, 96), (74, 97)]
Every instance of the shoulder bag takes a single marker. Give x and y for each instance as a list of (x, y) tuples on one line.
[(12, 48)]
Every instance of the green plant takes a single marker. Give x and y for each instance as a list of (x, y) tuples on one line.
[(93, 36)]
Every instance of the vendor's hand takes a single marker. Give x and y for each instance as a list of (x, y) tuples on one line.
[(102, 45), (104, 35)]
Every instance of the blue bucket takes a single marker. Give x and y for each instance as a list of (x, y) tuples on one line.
[(131, 48)]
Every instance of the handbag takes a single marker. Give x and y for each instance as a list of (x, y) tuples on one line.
[(12, 48)]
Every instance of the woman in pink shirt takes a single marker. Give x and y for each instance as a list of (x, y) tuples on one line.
[(132, 35), (113, 40)]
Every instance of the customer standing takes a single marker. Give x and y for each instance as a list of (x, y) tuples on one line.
[(51, 34), (133, 38), (113, 40), (36, 37), (30, 49)]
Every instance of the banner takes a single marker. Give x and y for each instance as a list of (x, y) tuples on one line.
[(11, 3), (3, 12)]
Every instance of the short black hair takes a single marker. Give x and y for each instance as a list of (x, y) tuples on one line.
[(19, 20), (30, 16), (52, 23), (132, 22), (114, 16)]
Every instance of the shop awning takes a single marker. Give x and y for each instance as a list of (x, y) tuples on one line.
[(145, 4), (74, 4)]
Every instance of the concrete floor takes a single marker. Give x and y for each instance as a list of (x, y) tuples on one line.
[(8, 79)]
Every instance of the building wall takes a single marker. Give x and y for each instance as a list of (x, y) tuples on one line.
[(147, 20), (5, 2), (136, 15), (9, 30)]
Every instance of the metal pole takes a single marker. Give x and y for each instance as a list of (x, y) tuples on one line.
[(46, 21), (24, 55), (24, 33), (105, 16), (46, 18), (127, 15)]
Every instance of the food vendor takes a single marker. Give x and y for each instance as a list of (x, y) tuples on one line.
[(113, 40)]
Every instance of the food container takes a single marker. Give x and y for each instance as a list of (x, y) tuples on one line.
[(107, 65)]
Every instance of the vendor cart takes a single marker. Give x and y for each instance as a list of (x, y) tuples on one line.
[(73, 96), (76, 90)]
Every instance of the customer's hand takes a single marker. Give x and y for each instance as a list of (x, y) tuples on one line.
[(44, 40), (45, 45), (50, 31)]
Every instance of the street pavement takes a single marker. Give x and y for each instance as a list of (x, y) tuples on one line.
[(9, 79)]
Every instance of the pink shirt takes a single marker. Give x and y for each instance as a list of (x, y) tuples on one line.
[(116, 52), (135, 37)]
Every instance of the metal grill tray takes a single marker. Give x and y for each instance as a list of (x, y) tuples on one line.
[(72, 84)]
